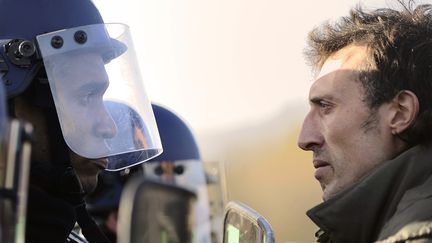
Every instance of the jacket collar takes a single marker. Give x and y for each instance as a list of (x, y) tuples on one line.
[(358, 213)]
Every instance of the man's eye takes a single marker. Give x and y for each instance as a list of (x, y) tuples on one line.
[(85, 99), (324, 104)]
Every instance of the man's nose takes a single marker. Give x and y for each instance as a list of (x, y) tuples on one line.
[(105, 126), (310, 134)]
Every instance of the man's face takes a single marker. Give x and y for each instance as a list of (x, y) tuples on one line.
[(87, 170), (346, 137), (81, 82), (86, 123)]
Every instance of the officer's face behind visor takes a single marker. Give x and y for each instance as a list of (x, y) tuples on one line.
[(99, 96)]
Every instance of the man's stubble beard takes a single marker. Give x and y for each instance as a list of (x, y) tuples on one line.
[(86, 171), (369, 125), (88, 182)]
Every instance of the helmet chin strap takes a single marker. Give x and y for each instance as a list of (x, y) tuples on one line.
[(90, 229)]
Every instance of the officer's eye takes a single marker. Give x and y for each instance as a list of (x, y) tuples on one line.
[(92, 91), (86, 98)]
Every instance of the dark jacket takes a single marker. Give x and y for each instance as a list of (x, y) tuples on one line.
[(392, 204), (55, 203), (49, 219)]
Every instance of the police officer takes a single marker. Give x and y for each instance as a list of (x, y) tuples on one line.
[(61, 64), (180, 165)]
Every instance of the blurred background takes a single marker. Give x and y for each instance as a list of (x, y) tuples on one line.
[(234, 71)]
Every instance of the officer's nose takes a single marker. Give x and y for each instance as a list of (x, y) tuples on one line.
[(310, 134), (105, 126)]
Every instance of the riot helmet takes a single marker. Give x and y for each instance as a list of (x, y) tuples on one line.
[(181, 165), (86, 63), (176, 137)]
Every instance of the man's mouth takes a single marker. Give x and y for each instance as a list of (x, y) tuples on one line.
[(100, 163), (322, 168)]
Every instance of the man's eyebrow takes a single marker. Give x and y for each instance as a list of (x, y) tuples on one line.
[(318, 99)]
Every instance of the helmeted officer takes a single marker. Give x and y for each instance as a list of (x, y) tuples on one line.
[(61, 64), (179, 165)]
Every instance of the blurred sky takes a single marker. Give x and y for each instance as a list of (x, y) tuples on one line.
[(224, 63)]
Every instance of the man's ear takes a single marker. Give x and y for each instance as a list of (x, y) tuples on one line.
[(405, 107)]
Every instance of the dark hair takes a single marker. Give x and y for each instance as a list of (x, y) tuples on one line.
[(400, 56)]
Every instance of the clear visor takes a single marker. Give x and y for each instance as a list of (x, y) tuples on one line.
[(188, 174), (99, 96)]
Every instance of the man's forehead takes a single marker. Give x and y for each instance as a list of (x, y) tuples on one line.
[(339, 68), (77, 70), (351, 58), (329, 67)]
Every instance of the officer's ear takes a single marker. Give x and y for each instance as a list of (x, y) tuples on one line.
[(404, 111), (24, 110)]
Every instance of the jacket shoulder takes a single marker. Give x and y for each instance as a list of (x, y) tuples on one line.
[(417, 232)]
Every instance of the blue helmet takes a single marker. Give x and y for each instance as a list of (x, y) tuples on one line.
[(177, 139), (178, 143), (180, 164), (21, 21), (73, 62)]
